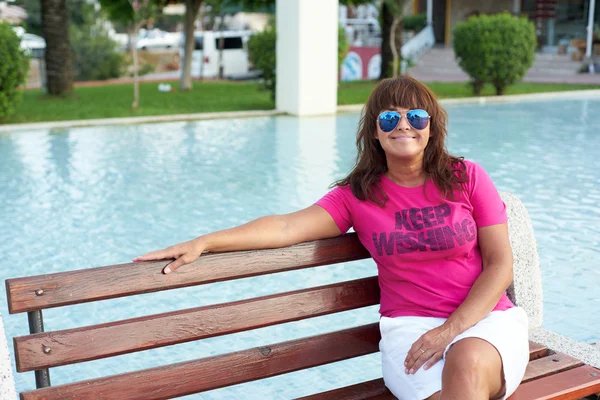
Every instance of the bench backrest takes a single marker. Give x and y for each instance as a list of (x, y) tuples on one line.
[(42, 350)]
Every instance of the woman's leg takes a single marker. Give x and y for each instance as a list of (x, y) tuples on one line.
[(473, 371)]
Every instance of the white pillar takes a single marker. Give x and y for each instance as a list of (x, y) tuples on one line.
[(7, 383), (429, 12), (307, 67), (590, 32), (516, 7)]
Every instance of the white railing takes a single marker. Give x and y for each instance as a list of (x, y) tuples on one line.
[(418, 45)]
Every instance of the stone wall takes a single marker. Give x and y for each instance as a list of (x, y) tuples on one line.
[(7, 384)]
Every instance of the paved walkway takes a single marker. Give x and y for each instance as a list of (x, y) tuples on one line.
[(584, 79), (440, 65)]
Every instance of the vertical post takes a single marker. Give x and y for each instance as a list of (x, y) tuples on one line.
[(516, 7), (307, 65), (429, 12), (590, 33), (221, 43), (550, 38), (42, 65), (36, 325)]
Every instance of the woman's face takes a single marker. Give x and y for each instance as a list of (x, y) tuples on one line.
[(404, 141)]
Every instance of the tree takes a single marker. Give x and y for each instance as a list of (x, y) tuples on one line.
[(55, 28), (191, 12), (498, 49), (134, 14), (221, 8), (14, 64), (391, 14), (78, 11)]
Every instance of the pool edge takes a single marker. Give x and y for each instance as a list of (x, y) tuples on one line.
[(589, 93)]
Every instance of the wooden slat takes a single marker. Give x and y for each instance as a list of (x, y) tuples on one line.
[(568, 385), (537, 351), (219, 371), (552, 364), (98, 341), (374, 389), (100, 283)]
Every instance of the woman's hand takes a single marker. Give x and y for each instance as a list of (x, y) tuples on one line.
[(183, 253), (428, 349)]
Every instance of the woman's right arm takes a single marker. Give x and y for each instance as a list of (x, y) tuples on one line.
[(269, 232)]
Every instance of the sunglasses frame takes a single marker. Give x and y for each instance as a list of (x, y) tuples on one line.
[(400, 117)]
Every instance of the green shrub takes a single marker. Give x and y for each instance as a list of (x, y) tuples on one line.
[(94, 54), (261, 51), (498, 49), (14, 65), (415, 22)]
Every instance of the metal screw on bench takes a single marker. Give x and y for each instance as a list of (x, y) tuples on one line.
[(46, 349), (39, 292), (36, 325), (265, 351)]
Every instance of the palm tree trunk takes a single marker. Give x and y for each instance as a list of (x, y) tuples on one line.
[(389, 10), (191, 12), (55, 28)]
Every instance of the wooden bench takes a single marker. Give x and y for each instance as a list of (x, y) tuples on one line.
[(550, 374)]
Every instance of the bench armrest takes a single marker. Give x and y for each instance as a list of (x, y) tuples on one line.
[(585, 352)]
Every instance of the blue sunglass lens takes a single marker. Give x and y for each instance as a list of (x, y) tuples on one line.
[(418, 119), (388, 120)]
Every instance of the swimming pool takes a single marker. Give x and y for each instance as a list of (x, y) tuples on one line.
[(84, 197)]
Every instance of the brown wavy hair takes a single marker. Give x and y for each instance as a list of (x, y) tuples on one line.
[(446, 171)]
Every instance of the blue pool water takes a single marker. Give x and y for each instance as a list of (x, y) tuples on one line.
[(78, 198)]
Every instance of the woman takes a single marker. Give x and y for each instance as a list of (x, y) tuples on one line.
[(436, 227)]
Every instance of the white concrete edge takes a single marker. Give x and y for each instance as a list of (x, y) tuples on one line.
[(7, 382), (139, 120), (585, 352), (591, 93), (515, 98), (509, 98)]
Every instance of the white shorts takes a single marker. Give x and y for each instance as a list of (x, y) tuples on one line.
[(505, 330)]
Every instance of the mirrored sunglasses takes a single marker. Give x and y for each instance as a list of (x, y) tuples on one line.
[(388, 120)]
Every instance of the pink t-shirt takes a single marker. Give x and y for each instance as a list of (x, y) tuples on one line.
[(425, 247)]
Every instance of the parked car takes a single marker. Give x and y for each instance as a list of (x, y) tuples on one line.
[(157, 39), (205, 58)]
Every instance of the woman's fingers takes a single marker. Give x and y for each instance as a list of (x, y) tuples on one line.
[(420, 359), (433, 360), (183, 253), (169, 252), (183, 260), (414, 353)]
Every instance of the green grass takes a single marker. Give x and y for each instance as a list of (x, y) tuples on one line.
[(110, 101), (358, 92)]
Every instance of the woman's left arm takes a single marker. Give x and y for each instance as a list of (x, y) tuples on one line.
[(496, 277), (493, 281)]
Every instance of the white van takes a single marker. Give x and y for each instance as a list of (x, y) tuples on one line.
[(205, 57)]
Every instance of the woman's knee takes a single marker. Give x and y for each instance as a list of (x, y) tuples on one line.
[(475, 363)]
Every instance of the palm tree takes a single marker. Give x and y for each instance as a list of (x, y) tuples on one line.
[(391, 35), (191, 12), (55, 28)]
